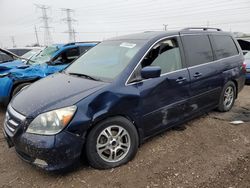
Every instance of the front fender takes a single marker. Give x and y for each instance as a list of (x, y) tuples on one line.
[(106, 104)]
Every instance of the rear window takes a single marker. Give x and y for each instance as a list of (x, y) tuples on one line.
[(224, 46), (197, 49)]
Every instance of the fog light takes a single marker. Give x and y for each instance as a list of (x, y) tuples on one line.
[(40, 162)]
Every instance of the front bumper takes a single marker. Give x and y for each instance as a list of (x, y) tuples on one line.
[(47, 152)]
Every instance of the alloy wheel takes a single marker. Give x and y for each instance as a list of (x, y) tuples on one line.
[(113, 143)]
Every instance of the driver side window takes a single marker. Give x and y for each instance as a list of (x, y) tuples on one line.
[(165, 54), (68, 56)]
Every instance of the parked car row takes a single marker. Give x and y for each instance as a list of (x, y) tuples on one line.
[(18, 74), (118, 94)]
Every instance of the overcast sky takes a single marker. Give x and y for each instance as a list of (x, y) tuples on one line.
[(101, 19)]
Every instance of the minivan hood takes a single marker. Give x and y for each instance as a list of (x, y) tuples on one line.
[(53, 92)]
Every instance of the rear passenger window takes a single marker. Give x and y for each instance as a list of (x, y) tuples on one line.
[(197, 49), (224, 46)]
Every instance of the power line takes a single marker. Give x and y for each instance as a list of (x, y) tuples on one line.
[(156, 16), (69, 20), (45, 18), (161, 7)]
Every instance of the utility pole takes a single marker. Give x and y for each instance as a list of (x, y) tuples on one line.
[(13, 41), (74, 35), (208, 23), (69, 20), (165, 27), (37, 40), (45, 19)]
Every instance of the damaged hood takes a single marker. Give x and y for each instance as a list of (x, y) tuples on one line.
[(7, 67), (34, 71), (53, 92)]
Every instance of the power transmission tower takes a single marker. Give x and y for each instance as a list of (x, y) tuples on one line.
[(37, 40), (45, 19), (69, 20), (13, 41)]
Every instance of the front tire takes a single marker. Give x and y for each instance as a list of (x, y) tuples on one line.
[(227, 98), (112, 143)]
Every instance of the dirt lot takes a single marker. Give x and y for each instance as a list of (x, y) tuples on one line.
[(211, 152)]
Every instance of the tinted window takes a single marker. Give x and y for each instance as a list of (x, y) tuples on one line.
[(5, 57), (224, 46), (166, 55), (72, 53), (67, 56), (84, 49), (197, 49)]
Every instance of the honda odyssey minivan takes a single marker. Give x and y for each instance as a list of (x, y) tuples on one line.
[(121, 92)]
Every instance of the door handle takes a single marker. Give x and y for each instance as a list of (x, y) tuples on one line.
[(180, 80), (197, 75)]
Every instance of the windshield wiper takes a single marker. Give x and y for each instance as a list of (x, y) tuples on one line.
[(28, 62), (84, 75)]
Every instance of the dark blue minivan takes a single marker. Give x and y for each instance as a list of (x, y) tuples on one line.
[(121, 92)]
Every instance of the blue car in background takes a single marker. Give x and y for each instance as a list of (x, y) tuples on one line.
[(15, 75), (247, 62)]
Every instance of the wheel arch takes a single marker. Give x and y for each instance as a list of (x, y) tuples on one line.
[(17, 83), (236, 87), (103, 118)]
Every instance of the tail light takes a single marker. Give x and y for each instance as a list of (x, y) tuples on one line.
[(244, 67)]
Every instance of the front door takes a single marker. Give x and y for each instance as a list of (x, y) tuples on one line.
[(163, 99)]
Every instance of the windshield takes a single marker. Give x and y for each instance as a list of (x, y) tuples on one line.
[(247, 56), (106, 60), (31, 53), (44, 56)]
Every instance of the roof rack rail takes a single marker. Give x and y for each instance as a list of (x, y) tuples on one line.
[(73, 43), (200, 28)]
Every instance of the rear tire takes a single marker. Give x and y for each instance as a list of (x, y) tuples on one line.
[(111, 143), (227, 97), (19, 88)]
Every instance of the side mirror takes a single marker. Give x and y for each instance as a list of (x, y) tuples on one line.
[(151, 72)]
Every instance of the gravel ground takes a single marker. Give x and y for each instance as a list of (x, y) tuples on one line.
[(211, 152)]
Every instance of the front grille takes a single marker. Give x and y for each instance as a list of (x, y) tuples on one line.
[(13, 120)]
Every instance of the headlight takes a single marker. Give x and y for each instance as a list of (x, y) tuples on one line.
[(52, 122)]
